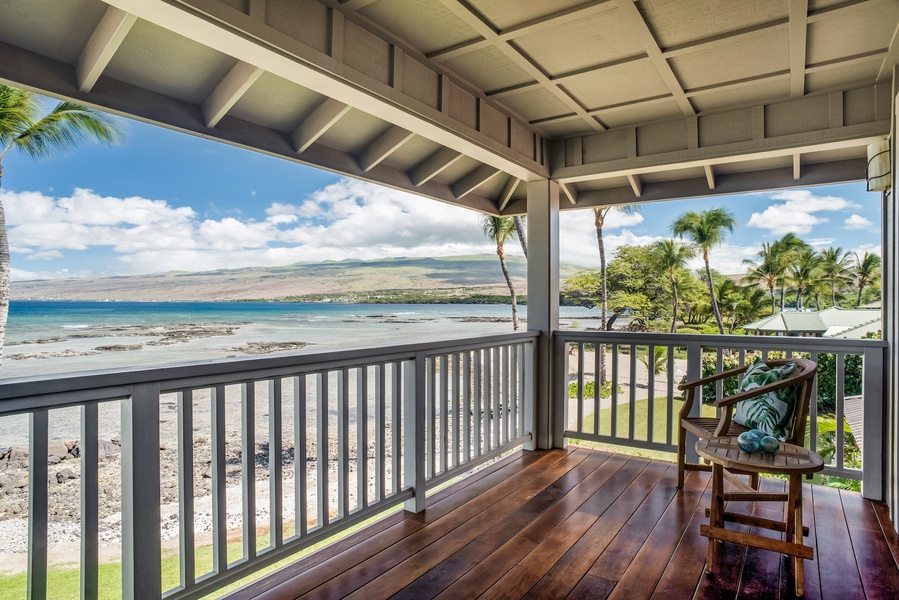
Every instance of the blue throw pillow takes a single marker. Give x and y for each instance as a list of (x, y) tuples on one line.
[(771, 412)]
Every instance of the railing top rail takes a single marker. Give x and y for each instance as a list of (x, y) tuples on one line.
[(762, 342), (24, 393)]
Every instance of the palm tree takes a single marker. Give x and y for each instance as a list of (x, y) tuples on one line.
[(520, 228), (707, 229), (751, 306), (804, 270), (785, 252), (865, 272), (599, 220), (23, 128), (729, 296), (673, 257), (500, 229), (769, 271), (836, 270)]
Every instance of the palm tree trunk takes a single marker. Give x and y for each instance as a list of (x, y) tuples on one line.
[(799, 298), (4, 273), (833, 294), (502, 262), (773, 300), (603, 290), (674, 316), (858, 301), (783, 297), (522, 235), (708, 273)]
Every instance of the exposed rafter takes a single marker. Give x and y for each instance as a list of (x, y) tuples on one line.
[(710, 176), (508, 189), (383, 146), (473, 180), (229, 90), (569, 192), (317, 123), (797, 167), (102, 46), (433, 165), (636, 184), (798, 32)]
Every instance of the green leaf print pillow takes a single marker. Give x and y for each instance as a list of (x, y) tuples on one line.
[(771, 412)]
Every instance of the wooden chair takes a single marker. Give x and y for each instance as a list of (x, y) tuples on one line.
[(708, 427)]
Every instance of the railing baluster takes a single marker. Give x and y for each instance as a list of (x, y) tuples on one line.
[(431, 417), (496, 392), (631, 421), (669, 411), (362, 438), (813, 410), (478, 405), (90, 501), (456, 447), (841, 418), (507, 376), (37, 504), (614, 429), (597, 387), (442, 405), (219, 483), (275, 467), (380, 430), (579, 423), (515, 377), (186, 513), (488, 396), (343, 443), (248, 466), (467, 404), (400, 385), (322, 444), (651, 392), (301, 513)]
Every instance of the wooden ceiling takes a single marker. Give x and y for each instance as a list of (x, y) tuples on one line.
[(464, 101)]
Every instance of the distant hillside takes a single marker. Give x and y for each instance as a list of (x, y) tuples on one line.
[(447, 276)]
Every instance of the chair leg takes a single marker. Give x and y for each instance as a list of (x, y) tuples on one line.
[(681, 455), (754, 481)]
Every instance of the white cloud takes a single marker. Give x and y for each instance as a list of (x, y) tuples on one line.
[(797, 213), (727, 259), (872, 248), (857, 222)]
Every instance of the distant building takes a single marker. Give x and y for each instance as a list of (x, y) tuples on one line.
[(830, 323)]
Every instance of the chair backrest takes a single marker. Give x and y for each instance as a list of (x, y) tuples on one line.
[(803, 379)]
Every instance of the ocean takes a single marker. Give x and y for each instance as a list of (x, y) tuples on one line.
[(45, 337)]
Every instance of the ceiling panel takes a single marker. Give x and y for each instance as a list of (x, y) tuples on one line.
[(539, 103), (157, 59), (61, 33), (837, 78), (735, 59), (862, 28), (426, 24), (742, 96), (616, 85), (412, 153), (676, 22), (601, 38), (503, 14), (353, 132), (643, 113), (276, 103), (488, 69)]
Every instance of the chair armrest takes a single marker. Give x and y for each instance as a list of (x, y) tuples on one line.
[(759, 391), (692, 384)]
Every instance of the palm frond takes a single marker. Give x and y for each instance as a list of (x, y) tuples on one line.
[(65, 127)]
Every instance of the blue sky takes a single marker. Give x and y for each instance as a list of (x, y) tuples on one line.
[(167, 201)]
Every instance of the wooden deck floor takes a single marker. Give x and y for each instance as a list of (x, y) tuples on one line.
[(577, 523)]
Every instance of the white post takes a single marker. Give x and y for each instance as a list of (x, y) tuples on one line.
[(414, 398), (543, 306)]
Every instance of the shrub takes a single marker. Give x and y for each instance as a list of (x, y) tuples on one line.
[(590, 389), (827, 380)]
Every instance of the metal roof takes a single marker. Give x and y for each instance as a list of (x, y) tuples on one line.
[(833, 322), (466, 101)]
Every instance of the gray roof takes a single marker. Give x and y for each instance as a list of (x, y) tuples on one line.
[(833, 322)]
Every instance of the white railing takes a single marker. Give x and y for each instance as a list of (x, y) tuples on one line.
[(850, 382), (368, 429)]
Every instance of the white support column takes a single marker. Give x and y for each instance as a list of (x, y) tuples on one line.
[(890, 304), (543, 304)]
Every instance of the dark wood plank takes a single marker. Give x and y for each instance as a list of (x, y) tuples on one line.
[(602, 577), (877, 568), (440, 503), (840, 579), (490, 488), (888, 528), (565, 574), (446, 573), (762, 567), (531, 509), (477, 515), (644, 572)]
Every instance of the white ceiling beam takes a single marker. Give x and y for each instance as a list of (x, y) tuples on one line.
[(631, 13), (317, 123), (892, 57), (353, 5), (797, 167), (102, 46), (229, 90), (383, 146), (433, 165), (504, 196), (636, 184), (473, 180), (798, 31), (569, 192), (710, 176)]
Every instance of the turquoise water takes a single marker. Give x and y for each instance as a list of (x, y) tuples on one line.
[(52, 336)]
